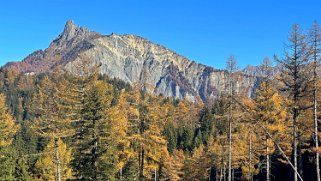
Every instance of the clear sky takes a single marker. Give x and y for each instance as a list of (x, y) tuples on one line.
[(205, 31)]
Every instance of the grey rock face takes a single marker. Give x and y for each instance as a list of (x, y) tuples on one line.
[(138, 61)]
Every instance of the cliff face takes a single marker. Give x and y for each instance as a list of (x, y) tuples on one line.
[(135, 60)]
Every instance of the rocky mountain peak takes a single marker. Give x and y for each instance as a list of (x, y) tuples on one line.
[(137, 61), (70, 29), (72, 32)]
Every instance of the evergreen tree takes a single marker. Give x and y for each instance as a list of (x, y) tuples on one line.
[(170, 134), (95, 150), (7, 164), (129, 171), (21, 168), (185, 138), (198, 139), (26, 143), (207, 124)]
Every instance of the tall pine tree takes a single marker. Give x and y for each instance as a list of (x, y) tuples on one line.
[(295, 79)]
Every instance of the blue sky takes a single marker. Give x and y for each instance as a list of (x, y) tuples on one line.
[(204, 31)]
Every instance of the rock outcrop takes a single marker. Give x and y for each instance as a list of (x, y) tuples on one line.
[(134, 59)]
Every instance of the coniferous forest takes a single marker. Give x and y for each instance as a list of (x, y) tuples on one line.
[(82, 125)]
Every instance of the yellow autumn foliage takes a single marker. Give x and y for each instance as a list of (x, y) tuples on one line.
[(46, 164), (8, 127)]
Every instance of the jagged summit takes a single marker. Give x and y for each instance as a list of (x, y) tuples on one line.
[(134, 59), (72, 32), (69, 30), (70, 25)]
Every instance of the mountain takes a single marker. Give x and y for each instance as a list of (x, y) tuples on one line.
[(135, 60)]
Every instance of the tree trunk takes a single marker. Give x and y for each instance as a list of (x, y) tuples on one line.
[(300, 164), (58, 172), (295, 144), (217, 176), (267, 160), (250, 159), (155, 172), (139, 163), (233, 174), (316, 138), (142, 164), (95, 151), (317, 155), (82, 119), (223, 165), (224, 171), (230, 151), (230, 134), (231, 68), (282, 152)]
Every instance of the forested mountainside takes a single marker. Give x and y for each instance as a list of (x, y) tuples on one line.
[(134, 60), (70, 121)]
